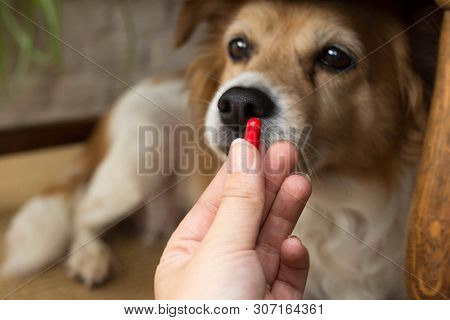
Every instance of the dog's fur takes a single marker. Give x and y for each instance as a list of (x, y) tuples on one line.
[(367, 127)]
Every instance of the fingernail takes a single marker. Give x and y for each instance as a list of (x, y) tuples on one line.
[(237, 141), (242, 157), (295, 237), (303, 174)]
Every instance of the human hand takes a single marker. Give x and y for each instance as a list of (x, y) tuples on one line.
[(234, 243)]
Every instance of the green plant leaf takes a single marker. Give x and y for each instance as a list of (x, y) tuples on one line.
[(18, 35)]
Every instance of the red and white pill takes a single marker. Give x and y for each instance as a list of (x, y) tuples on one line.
[(253, 131)]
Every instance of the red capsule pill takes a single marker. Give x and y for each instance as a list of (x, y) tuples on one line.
[(253, 131)]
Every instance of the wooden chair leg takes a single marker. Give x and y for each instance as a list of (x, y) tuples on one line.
[(428, 256)]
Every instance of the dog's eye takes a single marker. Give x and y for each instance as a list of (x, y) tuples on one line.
[(239, 49), (335, 59)]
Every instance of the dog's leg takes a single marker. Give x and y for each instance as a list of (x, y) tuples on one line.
[(39, 233), (116, 189)]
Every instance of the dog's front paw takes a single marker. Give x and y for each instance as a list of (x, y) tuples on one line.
[(92, 263)]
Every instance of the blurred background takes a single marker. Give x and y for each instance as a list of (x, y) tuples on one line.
[(62, 64)]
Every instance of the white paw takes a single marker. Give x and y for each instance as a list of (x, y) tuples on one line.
[(37, 236), (92, 264)]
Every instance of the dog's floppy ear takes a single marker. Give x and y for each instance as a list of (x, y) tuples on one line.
[(417, 67), (424, 44), (194, 12)]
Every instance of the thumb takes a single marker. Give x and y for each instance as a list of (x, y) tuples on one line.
[(238, 219)]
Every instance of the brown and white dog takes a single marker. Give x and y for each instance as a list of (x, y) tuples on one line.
[(341, 68)]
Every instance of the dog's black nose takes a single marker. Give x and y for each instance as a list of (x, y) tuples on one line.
[(238, 104)]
